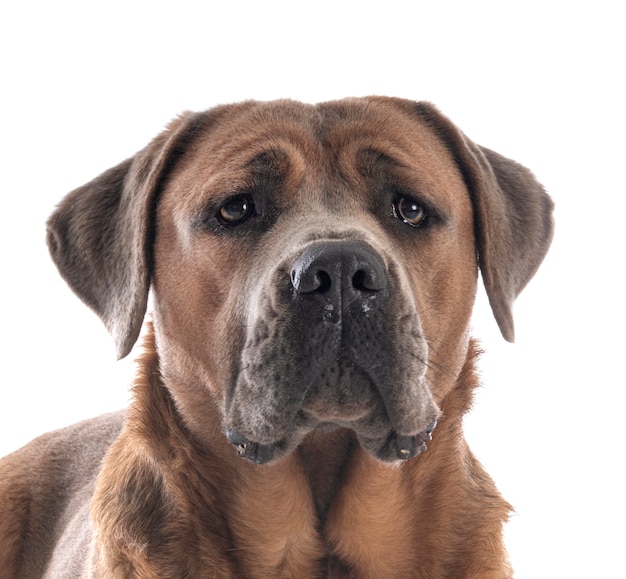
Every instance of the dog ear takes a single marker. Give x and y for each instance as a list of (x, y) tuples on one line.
[(512, 216), (100, 236)]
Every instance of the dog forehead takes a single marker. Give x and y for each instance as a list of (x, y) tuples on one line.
[(323, 142)]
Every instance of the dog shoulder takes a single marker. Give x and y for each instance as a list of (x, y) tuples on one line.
[(38, 487)]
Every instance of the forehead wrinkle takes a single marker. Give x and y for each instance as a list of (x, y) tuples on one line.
[(380, 127), (416, 162), (218, 162)]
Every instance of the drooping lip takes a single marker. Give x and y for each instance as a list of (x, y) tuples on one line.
[(253, 451), (362, 410), (396, 447), (409, 446)]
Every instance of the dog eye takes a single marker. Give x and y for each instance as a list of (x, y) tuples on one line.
[(410, 211), (236, 210)]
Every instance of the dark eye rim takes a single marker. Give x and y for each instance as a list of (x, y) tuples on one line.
[(248, 213), (398, 213)]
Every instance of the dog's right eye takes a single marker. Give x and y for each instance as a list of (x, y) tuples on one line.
[(236, 210)]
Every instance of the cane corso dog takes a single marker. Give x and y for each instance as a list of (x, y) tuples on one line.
[(312, 271)]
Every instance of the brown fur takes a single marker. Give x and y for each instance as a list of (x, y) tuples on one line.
[(442, 519), (168, 495)]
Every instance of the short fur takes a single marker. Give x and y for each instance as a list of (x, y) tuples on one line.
[(321, 334)]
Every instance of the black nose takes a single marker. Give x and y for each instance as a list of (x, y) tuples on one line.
[(339, 273)]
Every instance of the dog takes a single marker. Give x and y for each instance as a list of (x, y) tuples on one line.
[(313, 270)]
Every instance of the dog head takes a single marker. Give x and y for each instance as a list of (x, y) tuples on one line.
[(311, 266)]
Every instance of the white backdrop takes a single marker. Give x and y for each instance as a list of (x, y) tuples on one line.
[(86, 85)]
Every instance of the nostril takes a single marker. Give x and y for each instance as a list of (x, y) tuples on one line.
[(364, 280), (324, 282), (310, 280)]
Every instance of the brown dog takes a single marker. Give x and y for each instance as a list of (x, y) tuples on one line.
[(313, 271)]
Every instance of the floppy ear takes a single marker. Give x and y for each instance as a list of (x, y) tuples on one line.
[(100, 235), (512, 217)]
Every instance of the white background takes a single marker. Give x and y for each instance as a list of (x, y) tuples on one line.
[(85, 85)]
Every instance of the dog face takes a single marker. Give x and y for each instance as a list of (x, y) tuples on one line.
[(312, 266)]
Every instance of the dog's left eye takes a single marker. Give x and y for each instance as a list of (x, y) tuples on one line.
[(236, 210), (410, 211)]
